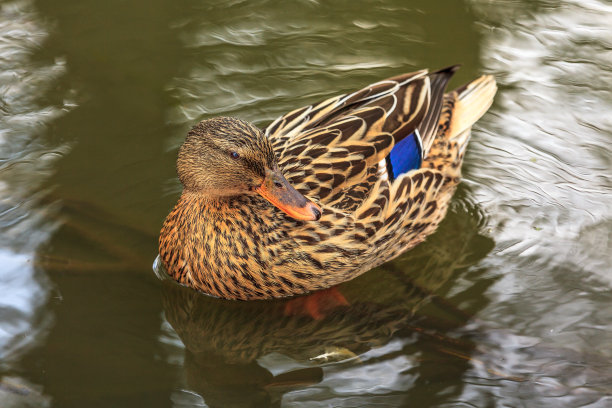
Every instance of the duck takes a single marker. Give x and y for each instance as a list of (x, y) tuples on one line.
[(324, 193), (244, 332)]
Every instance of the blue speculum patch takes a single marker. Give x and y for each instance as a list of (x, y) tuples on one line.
[(406, 155)]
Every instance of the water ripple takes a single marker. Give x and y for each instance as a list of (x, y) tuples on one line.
[(315, 47), (540, 164), (26, 160)]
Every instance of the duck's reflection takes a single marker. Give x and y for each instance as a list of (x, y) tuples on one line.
[(229, 343)]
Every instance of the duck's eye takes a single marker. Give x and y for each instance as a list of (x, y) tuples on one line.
[(235, 155)]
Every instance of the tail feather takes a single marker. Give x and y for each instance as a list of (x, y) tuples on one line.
[(461, 109), (472, 101)]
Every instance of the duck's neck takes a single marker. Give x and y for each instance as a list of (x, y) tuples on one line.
[(207, 206), (211, 208)]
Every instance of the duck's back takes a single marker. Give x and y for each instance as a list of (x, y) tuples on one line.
[(389, 155)]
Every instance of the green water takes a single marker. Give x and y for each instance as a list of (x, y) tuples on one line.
[(507, 305)]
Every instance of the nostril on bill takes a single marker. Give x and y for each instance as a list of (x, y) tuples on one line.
[(316, 212)]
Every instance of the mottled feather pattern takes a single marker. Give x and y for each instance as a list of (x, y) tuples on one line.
[(334, 153), (259, 266)]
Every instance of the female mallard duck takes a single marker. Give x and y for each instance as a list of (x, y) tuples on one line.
[(379, 167)]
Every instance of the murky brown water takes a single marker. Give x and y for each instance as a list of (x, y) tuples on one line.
[(507, 305)]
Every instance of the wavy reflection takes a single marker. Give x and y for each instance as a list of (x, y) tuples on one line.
[(541, 171), (26, 219)]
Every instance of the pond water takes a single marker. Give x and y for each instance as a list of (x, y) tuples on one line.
[(507, 305)]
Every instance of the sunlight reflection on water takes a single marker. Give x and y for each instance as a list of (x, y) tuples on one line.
[(25, 162), (542, 173)]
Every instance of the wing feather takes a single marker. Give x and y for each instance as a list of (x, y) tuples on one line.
[(331, 150)]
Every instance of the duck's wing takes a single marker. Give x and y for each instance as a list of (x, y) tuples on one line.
[(388, 217), (417, 201), (295, 123), (341, 157), (336, 151)]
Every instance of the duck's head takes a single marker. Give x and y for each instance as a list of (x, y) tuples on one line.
[(225, 157)]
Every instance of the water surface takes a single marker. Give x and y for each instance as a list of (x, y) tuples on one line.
[(506, 305)]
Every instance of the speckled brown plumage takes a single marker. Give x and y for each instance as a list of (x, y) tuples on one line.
[(225, 240)]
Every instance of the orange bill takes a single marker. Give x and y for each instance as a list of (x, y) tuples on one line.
[(277, 190)]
